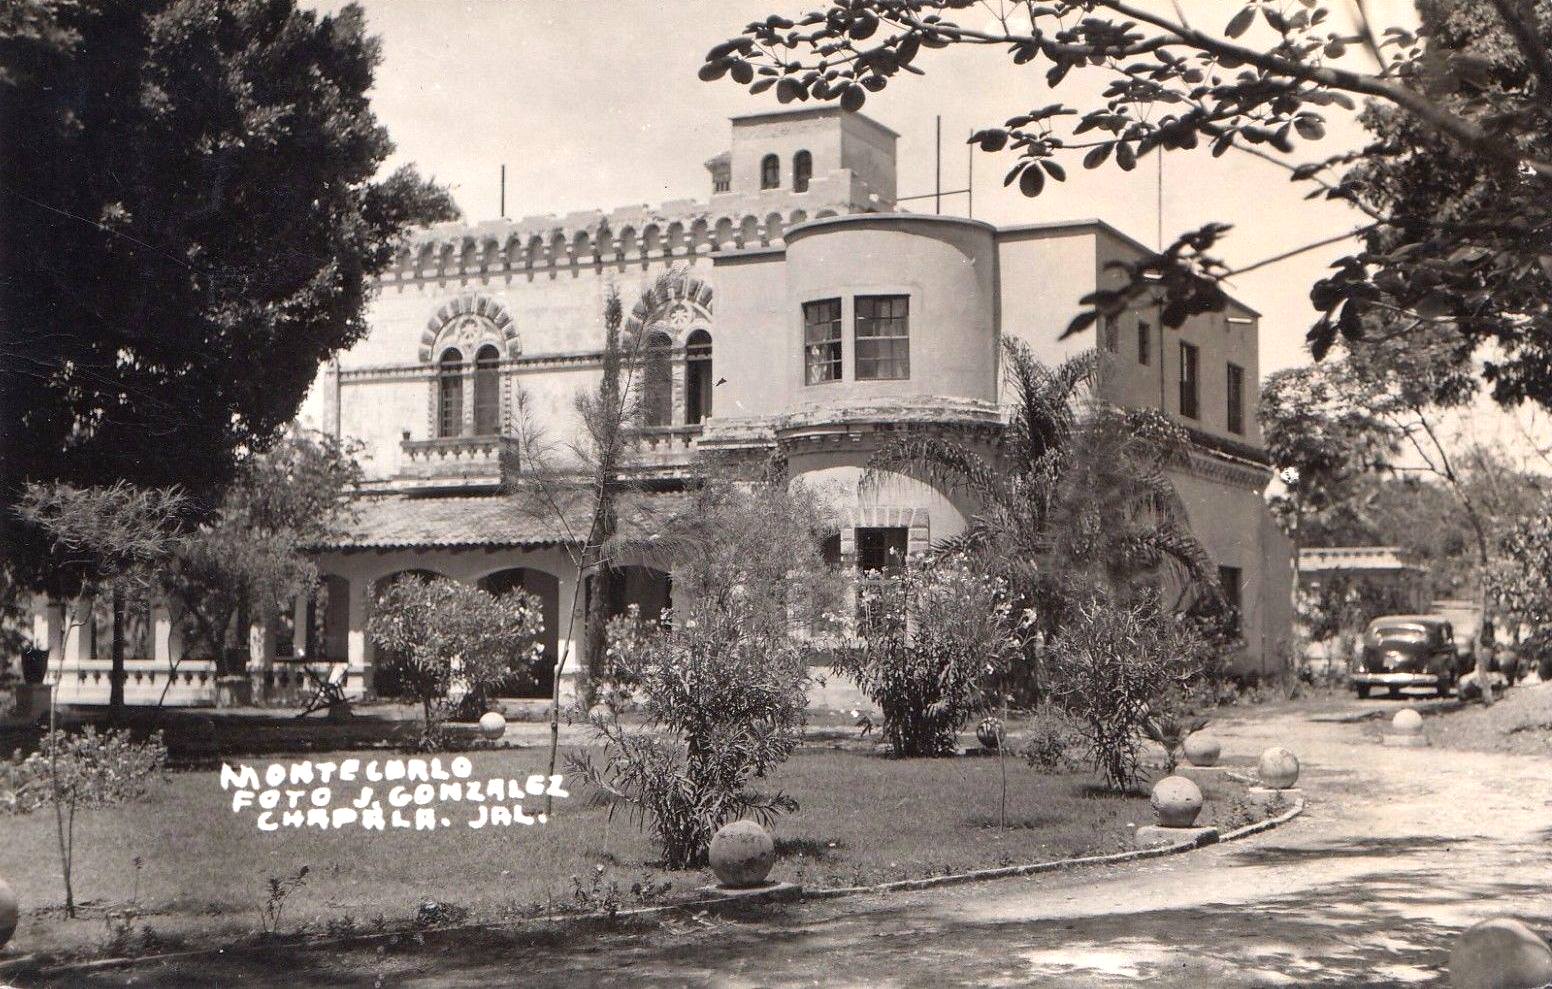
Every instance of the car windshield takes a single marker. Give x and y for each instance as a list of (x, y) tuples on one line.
[(1401, 633)]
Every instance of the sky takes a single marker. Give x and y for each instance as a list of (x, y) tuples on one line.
[(594, 105)]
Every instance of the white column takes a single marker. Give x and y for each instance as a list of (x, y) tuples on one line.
[(358, 653), (566, 591), (161, 636), (299, 629)]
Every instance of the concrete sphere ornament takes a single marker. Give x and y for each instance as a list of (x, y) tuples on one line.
[(1279, 768), (1407, 722), (10, 912), (1202, 749), (987, 733), (742, 854), (492, 725), (1500, 953), (1176, 801)]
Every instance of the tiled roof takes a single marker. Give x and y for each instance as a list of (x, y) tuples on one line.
[(404, 522)]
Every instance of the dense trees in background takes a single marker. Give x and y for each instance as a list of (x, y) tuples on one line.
[(190, 221)]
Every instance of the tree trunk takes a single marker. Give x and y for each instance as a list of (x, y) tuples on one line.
[(117, 675)]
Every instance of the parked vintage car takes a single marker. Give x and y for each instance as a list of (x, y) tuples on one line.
[(1401, 651)]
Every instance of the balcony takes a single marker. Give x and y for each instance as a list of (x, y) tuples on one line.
[(663, 449), (455, 462)]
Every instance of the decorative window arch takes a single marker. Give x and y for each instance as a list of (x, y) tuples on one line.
[(449, 393), (802, 171), (770, 172), (467, 321)]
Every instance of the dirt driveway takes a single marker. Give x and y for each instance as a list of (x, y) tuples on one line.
[(1397, 852)]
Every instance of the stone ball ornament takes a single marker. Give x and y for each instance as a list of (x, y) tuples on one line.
[(1202, 749), (988, 732), (1407, 722), (1278, 768), (742, 854), (1500, 953), (1176, 800), (10, 912), (492, 725)]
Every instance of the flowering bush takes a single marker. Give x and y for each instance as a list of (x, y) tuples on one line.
[(440, 634), (722, 705), (1112, 668), (86, 769), (933, 635)]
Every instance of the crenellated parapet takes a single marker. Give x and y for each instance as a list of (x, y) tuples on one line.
[(675, 230)]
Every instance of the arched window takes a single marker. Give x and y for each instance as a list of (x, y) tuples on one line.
[(697, 378), (657, 382), (487, 391), (770, 172), (802, 171), (450, 393)]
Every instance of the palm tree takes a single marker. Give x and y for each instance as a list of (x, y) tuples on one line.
[(1073, 502)]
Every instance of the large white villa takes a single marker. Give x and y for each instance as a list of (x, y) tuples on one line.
[(806, 315)]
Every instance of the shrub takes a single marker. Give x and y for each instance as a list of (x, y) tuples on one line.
[(933, 636), (85, 769), (439, 634), (719, 683), (721, 707), (1051, 740), (1112, 666)]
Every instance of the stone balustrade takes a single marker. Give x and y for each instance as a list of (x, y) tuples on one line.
[(189, 683), (456, 458)]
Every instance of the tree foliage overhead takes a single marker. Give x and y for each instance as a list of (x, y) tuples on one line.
[(190, 222), (1463, 112)]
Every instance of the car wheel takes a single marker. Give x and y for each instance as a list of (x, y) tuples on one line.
[(1363, 691)]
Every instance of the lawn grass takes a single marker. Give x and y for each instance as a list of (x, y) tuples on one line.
[(863, 818)]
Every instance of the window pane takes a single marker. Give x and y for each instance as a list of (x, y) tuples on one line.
[(1236, 399), (1144, 343), (883, 337), (822, 341), (1188, 379)]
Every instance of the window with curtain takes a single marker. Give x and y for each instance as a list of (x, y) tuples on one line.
[(487, 391), (770, 172), (450, 393), (822, 341), (802, 171), (883, 338)]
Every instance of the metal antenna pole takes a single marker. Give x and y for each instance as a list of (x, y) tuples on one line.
[(970, 178), (937, 180), (503, 190)]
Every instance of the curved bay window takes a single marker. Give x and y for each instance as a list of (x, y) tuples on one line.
[(450, 393), (802, 171), (770, 172), (698, 380), (657, 382), (487, 391)]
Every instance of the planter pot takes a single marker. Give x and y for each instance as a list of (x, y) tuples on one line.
[(234, 691), (34, 665), (1202, 750), (742, 854), (1176, 800)]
